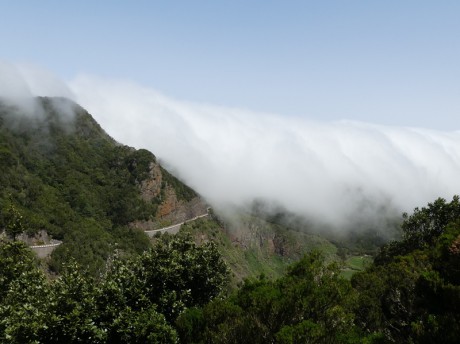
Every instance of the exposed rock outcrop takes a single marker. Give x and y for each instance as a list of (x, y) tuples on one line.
[(171, 209), (151, 187)]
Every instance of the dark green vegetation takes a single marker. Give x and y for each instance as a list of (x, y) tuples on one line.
[(62, 174), (412, 291), (135, 301), (411, 294), (174, 293)]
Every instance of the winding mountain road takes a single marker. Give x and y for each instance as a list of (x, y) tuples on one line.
[(174, 228), (43, 251)]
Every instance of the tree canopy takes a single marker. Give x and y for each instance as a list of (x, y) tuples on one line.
[(136, 301)]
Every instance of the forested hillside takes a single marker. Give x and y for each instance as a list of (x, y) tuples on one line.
[(64, 176)]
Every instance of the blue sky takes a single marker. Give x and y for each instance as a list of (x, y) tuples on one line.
[(385, 62)]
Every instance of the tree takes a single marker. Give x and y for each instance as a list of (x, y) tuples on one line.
[(73, 311), (24, 310), (24, 294), (140, 297), (425, 225), (311, 303), (139, 327), (72, 308), (412, 291), (421, 229), (14, 222), (15, 259), (177, 273)]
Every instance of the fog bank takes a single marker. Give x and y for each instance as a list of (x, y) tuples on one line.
[(338, 173), (21, 83), (333, 171)]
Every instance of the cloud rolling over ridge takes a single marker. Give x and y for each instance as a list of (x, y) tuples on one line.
[(332, 171), (337, 172), (20, 83)]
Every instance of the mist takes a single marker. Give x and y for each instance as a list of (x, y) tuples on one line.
[(20, 84), (334, 172)]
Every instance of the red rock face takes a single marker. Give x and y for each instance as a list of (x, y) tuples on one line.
[(151, 187), (169, 205), (177, 211), (171, 210)]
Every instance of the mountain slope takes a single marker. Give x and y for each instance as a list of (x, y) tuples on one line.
[(65, 176)]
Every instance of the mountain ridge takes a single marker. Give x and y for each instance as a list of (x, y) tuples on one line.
[(67, 177)]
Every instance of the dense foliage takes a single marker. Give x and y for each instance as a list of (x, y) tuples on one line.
[(411, 294), (173, 292), (311, 303), (61, 173), (136, 301)]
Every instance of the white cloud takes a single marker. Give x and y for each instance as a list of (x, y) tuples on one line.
[(42, 82), (12, 84), (331, 170), (20, 83), (334, 171), (25, 80)]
